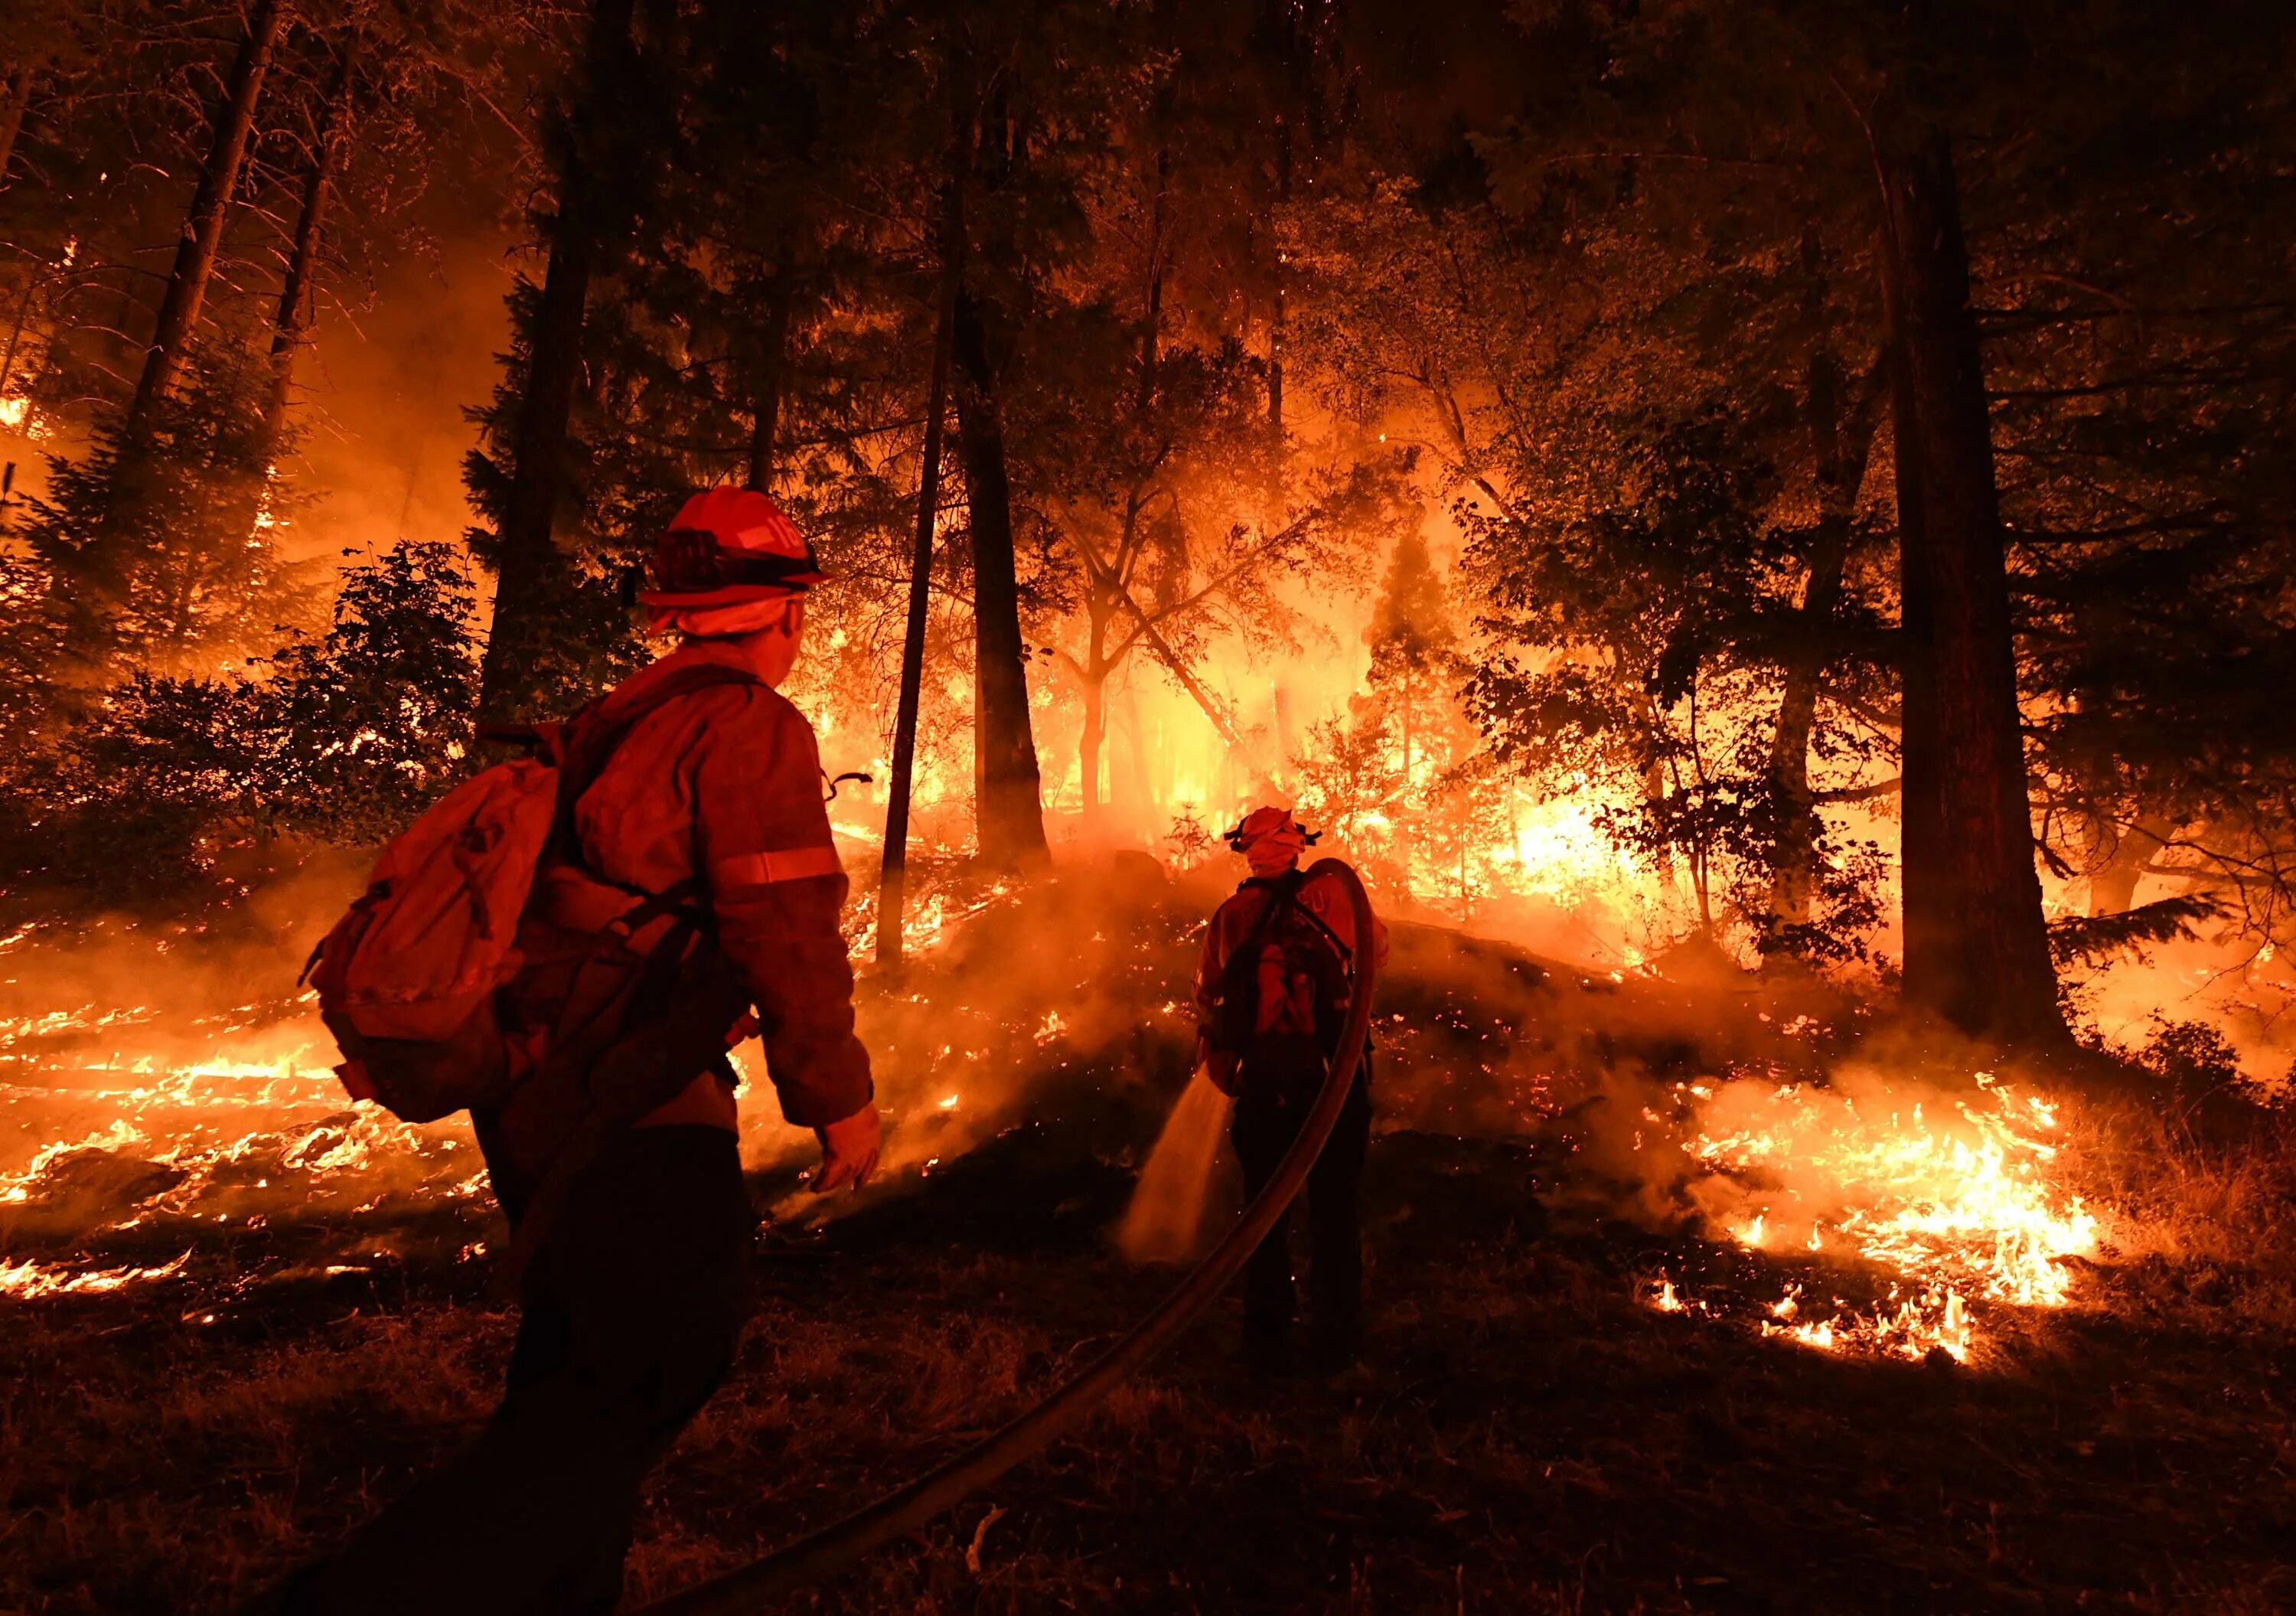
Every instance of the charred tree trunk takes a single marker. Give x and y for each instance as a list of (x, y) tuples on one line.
[(1930, 899), (293, 319), (1977, 943), (32, 284), (1008, 805), (1794, 861), (1278, 332), (1841, 436), (15, 96), (528, 570), (892, 881), (529, 562), (766, 390), (195, 250)]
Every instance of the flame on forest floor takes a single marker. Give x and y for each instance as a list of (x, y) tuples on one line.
[(28, 1279), (135, 1124), (1956, 1198), (218, 1131), (1959, 1198)]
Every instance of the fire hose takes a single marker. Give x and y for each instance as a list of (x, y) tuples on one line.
[(830, 1550)]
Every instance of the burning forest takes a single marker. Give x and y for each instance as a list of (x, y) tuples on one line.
[(1151, 807)]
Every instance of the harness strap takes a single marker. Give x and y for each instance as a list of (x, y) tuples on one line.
[(1284, 892)]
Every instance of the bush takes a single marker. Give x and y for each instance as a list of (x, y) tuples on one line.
[(162, 783), (2190, 1058)]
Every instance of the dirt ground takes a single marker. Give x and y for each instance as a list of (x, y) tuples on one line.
[(1527, 1433)]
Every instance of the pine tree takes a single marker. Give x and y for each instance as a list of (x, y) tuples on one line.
[(543, 606), (164, 785), (183, 572), (1415, 651), (177, 321)]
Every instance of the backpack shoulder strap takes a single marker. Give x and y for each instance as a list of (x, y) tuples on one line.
[(1280, 891), (1288, 895)]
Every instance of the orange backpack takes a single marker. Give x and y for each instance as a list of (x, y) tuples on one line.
[(1280, 999), (409, 979)]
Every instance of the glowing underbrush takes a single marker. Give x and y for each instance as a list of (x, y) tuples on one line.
[(1960, 1197)]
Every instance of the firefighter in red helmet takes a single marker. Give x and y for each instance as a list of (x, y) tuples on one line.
[(1271, 996), (633, 1298)]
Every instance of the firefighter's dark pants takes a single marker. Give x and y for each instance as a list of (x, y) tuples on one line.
[(1268, 1117), (632, 1308)]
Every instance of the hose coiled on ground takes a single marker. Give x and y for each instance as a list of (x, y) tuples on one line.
[(834, 1548)]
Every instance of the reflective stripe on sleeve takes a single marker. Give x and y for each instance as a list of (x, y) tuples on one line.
[(763, 869)]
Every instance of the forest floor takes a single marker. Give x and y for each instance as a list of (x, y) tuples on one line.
[(1527, 1433)]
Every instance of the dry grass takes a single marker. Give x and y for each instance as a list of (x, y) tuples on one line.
[(1530, 1437), (2204, 1194)]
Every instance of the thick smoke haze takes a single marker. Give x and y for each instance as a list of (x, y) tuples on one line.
[(388, 385)]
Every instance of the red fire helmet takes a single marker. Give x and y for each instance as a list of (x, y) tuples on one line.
[(1271, 825), (727, 545)]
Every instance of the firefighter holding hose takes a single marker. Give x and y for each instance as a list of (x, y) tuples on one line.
[(707, 797), (1271, 997)]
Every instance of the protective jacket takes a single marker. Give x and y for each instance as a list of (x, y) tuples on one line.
[(1238, 920), (723, 786)]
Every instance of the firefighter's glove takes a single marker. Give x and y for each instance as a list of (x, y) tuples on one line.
[(848, 1152), (1219, 1066)]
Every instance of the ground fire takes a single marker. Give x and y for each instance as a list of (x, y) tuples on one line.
[(1309, 806)]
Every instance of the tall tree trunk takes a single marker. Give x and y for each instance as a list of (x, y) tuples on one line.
[(1278, 485), (1930, 899), (32, 282), (1132, 788), (293, 319), (1287, 739), (1106, 597), (1008, 805), (893, 880), (1092, 741), (529, 570), (15, 96), (766, 390), (1289, 102), (1102, 604), (1409, 780), (1794, 860), (195, 249), (1152, 328), (1988, 969), (1841, 437)]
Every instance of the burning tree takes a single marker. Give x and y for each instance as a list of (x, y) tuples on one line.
[(1798, 442)]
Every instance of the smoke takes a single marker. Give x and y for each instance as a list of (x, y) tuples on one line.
[(385, 385), (1058, 1013), (162, 1081), (2241, 989)]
